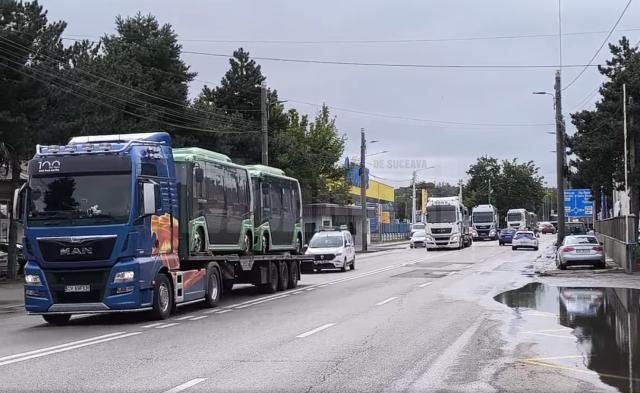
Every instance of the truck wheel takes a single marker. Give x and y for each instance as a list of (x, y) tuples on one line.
[(283, 277), (162, 297), (57, 319), (247, 247), (213, 285), (298, 246), (197, 243), (293, 275), (272, 285)]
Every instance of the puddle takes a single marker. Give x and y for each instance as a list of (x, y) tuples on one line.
[(605, 322)]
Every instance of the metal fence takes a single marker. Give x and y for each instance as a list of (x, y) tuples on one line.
[(392, 231), (615, 228)]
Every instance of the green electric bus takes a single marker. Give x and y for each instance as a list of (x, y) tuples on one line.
[(219, 206), (277, 210)]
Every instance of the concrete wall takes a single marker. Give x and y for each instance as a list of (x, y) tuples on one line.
[(616, 250)]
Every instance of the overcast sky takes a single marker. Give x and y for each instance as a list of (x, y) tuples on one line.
[(486, 96)]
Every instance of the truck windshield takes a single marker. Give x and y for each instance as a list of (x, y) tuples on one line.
[(482, 217), (79, 200), (514, 217), (439, 214)]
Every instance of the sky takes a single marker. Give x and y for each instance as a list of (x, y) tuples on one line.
[(431, 117)]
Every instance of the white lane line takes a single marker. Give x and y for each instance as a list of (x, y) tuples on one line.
[(223, 311), (386, 301), (200, 317), (316, 330), (556, 335), (186, 385), (310, 289), (152, 325), (215, 310), (167, 325), (17, 355), (41, 354), (547, 331), (425, 284), (323, 285), (183, 318), (262, 301), (561, 357)]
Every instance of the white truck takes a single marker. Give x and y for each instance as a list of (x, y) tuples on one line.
[(484, 219), (447, 224), (518, 218)]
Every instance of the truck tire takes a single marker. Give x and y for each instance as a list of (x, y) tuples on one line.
[(283, 276), (162, 297), (293, 275), (272, 285), (57, 319), (298, 246), (247, 246), (212, 297)]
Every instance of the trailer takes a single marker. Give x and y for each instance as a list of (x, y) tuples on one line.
[(115, 224)]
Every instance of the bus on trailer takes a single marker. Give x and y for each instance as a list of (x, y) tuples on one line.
[(117, 223)]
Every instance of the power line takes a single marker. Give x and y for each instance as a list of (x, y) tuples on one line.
[(586, 99), (391, 116), (373, 41), (102, 103), (395, 65), (600, 48)]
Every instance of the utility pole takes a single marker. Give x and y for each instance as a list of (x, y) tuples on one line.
[(265, 134), (363, 189), (489, 191), (413, 198), (560, 153), (626, 170)]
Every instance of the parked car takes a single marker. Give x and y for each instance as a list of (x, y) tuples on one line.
[(580, 250), (506, 236), (4, 248), (332, 250), (418, 239), (524, 239)]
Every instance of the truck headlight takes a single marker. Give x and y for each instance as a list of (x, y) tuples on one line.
[(125, 276), (454, 238), (492, 232), (32, 279)]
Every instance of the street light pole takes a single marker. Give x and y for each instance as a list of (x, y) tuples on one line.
[(626, 171), (560, 153), (363, 188), (265, 134), (413, 198)]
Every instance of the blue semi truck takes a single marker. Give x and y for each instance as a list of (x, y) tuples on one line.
[(120, 223)]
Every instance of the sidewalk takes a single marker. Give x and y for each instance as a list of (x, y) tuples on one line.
[(382, 246), (11, 294)]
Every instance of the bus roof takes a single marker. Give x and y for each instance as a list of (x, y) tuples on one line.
[(261, 170), (196, 153), (149, 136)]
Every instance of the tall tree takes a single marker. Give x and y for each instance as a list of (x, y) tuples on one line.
[(26, 35)]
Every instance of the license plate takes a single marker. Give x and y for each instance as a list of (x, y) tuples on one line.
[(582, 251), (77, 288)]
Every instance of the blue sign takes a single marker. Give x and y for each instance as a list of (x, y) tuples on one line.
[(578, 203), (353, 176)]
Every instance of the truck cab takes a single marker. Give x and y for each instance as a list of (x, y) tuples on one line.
[(484, 219), (447, 224)]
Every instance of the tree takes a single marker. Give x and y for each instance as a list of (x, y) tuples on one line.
[(26, 36)]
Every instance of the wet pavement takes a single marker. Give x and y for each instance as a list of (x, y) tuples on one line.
[(599, 329)]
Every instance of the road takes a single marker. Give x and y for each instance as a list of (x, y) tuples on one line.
[(404, 320)]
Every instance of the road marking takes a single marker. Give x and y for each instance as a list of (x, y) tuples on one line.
[(425, 284), (63, 348), (223, 311), (186, 385), (167, 325), (262, 301), (12, 305), (555, 335), (316, 330), (200, 317), (310, 289), (323, 285), (153, 325), (215, 310), (559, 357), (183, 318), (547, 331), (386, 301)]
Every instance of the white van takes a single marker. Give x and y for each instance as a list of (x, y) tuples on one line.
[(333, 249)]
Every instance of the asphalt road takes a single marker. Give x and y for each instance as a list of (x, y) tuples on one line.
[(404, 320)]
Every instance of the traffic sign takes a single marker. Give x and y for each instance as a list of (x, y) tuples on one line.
[(578, 202)]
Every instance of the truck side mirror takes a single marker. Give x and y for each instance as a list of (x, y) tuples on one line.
[(18, 203), (199, 175), (150, 198)]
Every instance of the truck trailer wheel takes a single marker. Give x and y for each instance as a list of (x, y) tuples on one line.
[(283, 277), (57, 319), (213, 285), (272, 285), (162, 297), (293, 275)]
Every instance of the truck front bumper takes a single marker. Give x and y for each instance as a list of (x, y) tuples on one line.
[(432, 244)]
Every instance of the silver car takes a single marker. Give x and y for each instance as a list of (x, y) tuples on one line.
[(580, 250), (418, 239)]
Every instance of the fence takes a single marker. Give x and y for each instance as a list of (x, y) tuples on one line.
[(615, 228), (612, 232), (394, 231)]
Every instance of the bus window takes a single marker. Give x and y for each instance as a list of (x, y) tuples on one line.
[(215, 188)]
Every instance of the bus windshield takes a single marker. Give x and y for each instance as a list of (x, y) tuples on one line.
[(74, 200)]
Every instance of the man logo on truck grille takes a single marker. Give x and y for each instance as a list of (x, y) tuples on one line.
[(76, 251)]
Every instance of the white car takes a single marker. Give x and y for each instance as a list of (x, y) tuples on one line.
[(332, 250), (580, 250), (418, 239), (524, 239)]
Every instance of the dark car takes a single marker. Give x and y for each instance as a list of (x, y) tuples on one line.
[(506, 236), (4, 247), (548, 228)]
